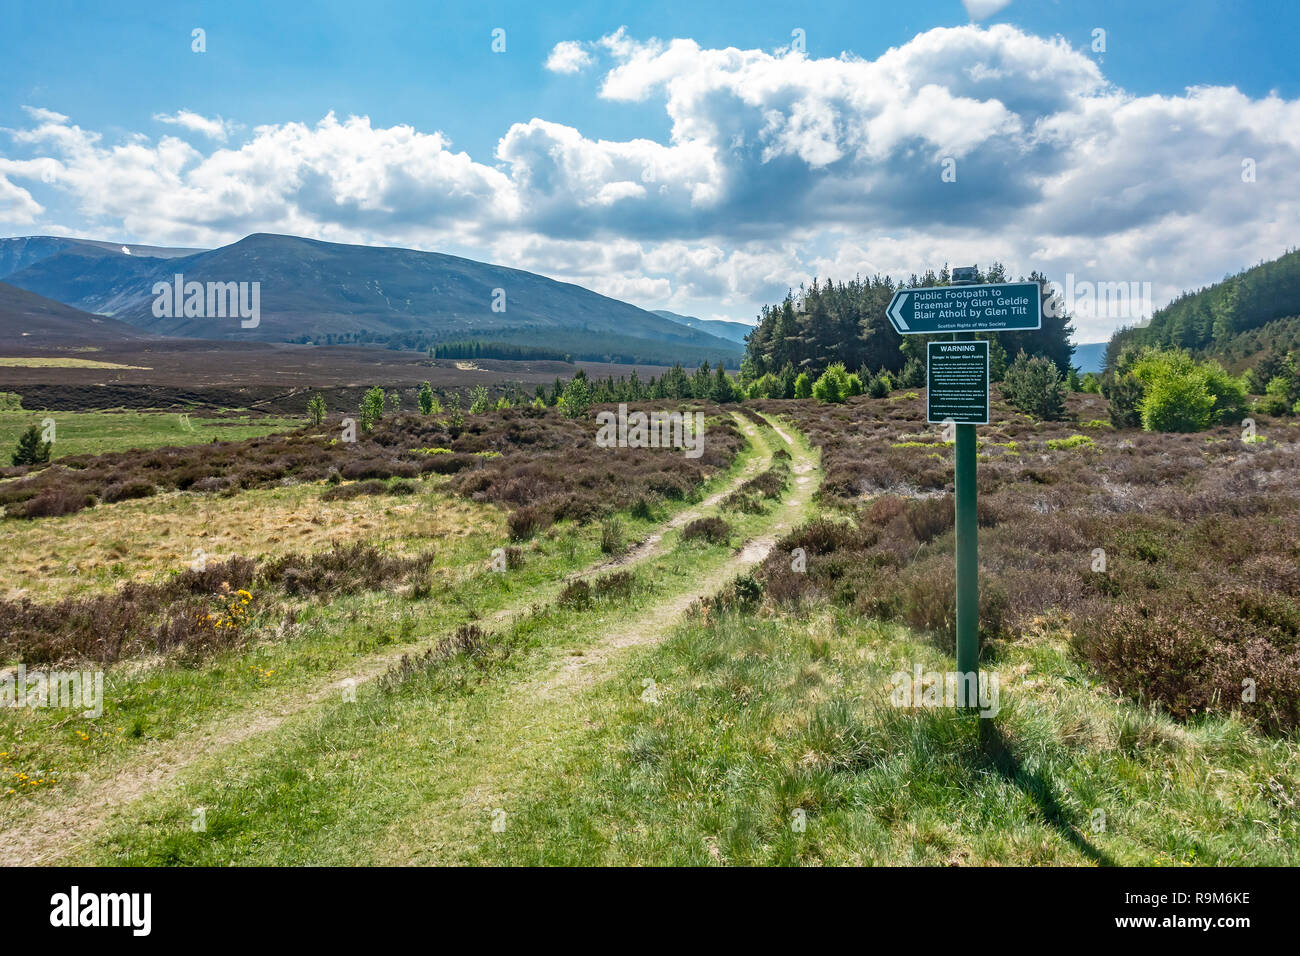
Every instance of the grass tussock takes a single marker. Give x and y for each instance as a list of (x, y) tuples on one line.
[(712, 530), (582, 594)]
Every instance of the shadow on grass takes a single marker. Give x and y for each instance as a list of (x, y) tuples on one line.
[(995, 747)]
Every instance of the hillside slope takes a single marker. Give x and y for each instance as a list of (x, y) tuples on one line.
[(312, 291), (1209, 319), (30, 321)]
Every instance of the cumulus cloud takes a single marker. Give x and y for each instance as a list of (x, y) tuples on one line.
[(568, 56), (961, 145), (215, 128), (336, 179)]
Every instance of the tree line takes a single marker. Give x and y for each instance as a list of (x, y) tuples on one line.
[(828, 323), (1209, 319)]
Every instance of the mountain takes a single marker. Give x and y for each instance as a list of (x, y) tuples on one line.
[(312, 291), (16, 254), (1089, 357), (28, 321), (731, 331)]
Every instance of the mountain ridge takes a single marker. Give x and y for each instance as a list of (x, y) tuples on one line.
[(731, 331), (314, 291)]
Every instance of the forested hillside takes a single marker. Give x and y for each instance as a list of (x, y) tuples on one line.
[(845, 322), (1232, 320)]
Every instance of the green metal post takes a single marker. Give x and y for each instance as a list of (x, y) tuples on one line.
[(968, 595)]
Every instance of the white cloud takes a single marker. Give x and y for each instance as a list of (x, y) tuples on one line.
[(215, 128), (16, 204), (983, 9), (778, 166), (568, 57), (337, 179)]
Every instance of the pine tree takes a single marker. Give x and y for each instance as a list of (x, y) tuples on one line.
[(31, 449)]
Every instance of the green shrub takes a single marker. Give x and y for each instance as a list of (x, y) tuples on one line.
[(1124, 393), (834, 385), (577, 397), (1228, 390), (765, 386), (1177, 404), (372, 407), (479, 401), (11, 402), (1074, 441), (1183, 395), (1276, 395), (426, 399), (1034, 385), (803, 386)]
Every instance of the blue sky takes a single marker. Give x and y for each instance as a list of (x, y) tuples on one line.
[(751, 171)]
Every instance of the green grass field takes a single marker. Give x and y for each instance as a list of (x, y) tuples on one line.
[(87, 433), (650, 724)]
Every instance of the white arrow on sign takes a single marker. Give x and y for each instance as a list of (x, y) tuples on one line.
[(896, 312)]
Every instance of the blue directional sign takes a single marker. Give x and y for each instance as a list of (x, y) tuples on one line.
[(1000, 307)]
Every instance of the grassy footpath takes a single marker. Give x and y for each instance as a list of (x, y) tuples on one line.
[(94, 433), (414, 767), (158, 715)]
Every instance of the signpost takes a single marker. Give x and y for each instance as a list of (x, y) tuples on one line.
[(957, 383), (1004, 307), (957, 391)]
